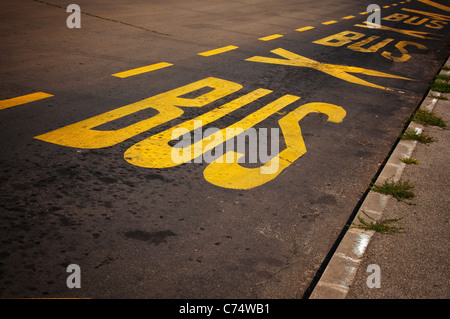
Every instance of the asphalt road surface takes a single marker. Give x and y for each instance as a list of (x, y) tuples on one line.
[(89, 118)]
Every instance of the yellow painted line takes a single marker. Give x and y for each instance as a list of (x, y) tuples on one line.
[(348, 17), (394, 4), (436, 5), (271, 37), (386, 7), (304, 29), (4, 104), (218, 51), (329, 22), (429, 14), (143, 69), (417, 34), (363, 13)]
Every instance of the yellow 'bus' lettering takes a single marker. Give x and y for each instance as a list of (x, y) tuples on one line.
[(230, 174), (83, 134)]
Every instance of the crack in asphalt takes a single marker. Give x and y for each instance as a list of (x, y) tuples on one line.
[(103, 18)]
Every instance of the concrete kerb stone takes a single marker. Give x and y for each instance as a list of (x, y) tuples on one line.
[(339, 274)]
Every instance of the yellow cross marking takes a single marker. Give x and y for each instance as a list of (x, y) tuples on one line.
[(338, 71)]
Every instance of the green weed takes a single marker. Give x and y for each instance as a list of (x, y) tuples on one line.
[(425, 117), (409, 160), (398, 189), (380, 226), (411, 134)]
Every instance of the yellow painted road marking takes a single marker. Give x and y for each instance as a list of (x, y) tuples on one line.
[(436, 5), (271, 37), (348, 17), (84, 135), (413, 33), (4, 104), (338, 71), (374, 48), (218, 51), (230, 174), (386, 7), (435, 16), (329, 22), (363, 13), (155, 151), (143, 69), (304, 29)]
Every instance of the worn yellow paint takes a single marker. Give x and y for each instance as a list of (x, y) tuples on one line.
[(83, 134), (304, 29), (348, 17), (155, 151), (358, 46), (413, 33), (385, 7), (4, 104), (271, 37), (218, 51), (329, 22), (143, 69), (401, 47), (363, 13), (230, 174), (340, 39), (338, 71)]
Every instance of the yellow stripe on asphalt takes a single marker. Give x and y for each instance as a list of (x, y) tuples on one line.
[(348, 17), (271, 37), (436, 5), (329, 22), (218, 51), (304, 29), (4, 104), (143, 69)]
